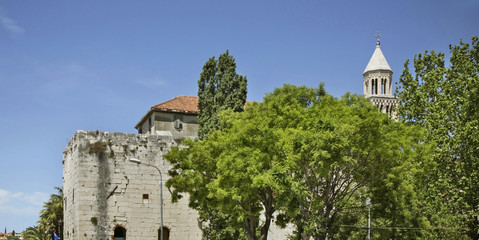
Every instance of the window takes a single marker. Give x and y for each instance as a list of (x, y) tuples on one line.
[(146, 198), (383, 86), (166, 233), (374, 86), (119, 233), (178, 122)]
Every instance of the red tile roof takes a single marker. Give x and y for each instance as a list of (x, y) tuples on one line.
[(188, 104), (181, 104)]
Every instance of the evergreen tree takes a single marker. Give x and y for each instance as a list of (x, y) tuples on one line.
[(219, 88)]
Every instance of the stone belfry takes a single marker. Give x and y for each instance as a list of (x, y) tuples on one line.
[(377, 79)]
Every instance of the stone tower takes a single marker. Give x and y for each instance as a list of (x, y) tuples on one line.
[(377, 79)]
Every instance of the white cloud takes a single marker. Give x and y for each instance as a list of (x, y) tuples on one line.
[(21, 204), (10, 25)]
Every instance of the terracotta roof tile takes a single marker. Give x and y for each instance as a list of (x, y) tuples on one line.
[(180, 104)]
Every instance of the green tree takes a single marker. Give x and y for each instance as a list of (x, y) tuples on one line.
[(51, 215), (219, 88), (35, 233), (12, 238), (233, 171), (305, 157), (445, 100), (339, 152)]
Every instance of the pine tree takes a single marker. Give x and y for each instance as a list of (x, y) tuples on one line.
[(219, 88)]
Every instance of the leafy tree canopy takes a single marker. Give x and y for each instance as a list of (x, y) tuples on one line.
[(445, 100), (307, 157)]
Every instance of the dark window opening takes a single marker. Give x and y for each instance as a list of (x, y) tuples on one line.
[(166, 233), (374, 86), (119, 233), (383, 86)]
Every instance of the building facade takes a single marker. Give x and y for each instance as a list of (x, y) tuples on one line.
[(108, 197), (178, 117)]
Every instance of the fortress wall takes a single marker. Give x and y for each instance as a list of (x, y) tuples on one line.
[(103, 190)]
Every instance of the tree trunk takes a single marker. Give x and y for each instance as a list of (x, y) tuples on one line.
[(250, 228), (268, 213)]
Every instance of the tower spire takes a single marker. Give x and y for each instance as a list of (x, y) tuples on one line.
[(378, 36)]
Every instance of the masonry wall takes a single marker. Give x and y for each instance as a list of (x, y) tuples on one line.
[(103, 190)]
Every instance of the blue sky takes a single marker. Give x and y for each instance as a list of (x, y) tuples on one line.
[(100, 65)]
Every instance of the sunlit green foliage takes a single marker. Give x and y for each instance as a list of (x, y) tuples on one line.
[(219, 88), (445, 101), (35, 233), (51, 215), (305, 157)]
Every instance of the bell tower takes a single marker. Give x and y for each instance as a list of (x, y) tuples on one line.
[(377, 79)]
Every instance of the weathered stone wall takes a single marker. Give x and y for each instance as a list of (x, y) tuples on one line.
[(103, 190)]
